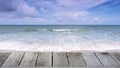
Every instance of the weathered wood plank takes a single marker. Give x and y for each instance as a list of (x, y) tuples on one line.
[(60, 67), (107, 60), (13, 60), (44, 60), (60, 60), (116, 56), (63, 67), (75, 60), (91, 60), (29, 59), (3, 57), (32, 59)]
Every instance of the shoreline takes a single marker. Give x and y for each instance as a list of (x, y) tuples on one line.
[(60, 51), (38, 47)]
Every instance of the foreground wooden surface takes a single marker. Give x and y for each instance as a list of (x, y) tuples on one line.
[(69, 59)]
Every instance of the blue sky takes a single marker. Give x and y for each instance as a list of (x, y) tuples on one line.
[(45, 12)]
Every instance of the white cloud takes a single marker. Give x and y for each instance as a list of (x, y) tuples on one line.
[(72, 14), (80, 4), (19, 9), (26, 11)]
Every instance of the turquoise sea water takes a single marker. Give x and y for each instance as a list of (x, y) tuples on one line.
[(67, 37)]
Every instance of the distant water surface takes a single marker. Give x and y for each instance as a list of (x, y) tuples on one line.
[(59, 38)]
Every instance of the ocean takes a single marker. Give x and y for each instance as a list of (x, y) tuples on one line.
[(59, 38)]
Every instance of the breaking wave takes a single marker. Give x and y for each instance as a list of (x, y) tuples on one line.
[(64, 30), (54, 30)]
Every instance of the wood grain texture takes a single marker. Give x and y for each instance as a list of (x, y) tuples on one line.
[(107, 60), (76, 60), (13, 60), (3, 57), (91, 60), (60, 60), (29, 59), (44, 60), (116, 56)]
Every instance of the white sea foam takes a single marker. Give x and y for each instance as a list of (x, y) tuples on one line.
[(36, 46), (62, 39)]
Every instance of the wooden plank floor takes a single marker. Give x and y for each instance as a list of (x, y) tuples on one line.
[(66, 59)]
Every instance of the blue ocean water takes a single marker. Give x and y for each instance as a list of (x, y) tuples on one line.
[(60, 35)]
